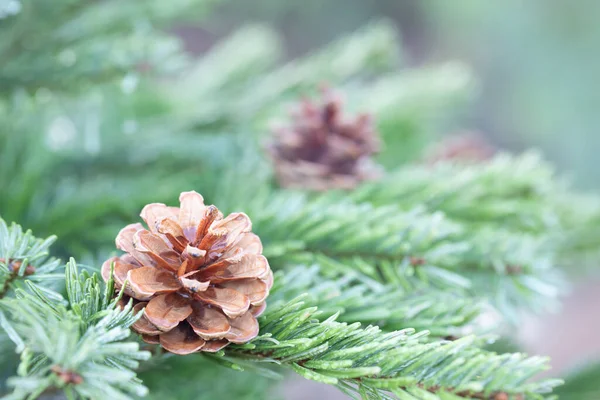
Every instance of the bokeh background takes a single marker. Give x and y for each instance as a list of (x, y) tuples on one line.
[(537, 69), (537, 62)]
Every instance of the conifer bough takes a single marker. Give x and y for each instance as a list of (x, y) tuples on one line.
[(199, 277), (77, 345)]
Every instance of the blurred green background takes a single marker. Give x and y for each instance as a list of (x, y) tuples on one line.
[(537, 61)]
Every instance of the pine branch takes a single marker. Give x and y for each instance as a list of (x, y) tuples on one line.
[(368, 50), (99, 18), (513, 208), (518, 192), (23, 256), (254, 90), (443, 314), (86, 184), (71, 36), (232, 65), (75, 346), (384, 243), (407, 249), (49, 185), (374, 364), (400, 253)]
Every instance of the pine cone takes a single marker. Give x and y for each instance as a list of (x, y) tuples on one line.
[(322, 149), (200, 278)]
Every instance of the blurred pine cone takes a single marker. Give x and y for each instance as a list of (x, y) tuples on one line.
[(200, 278), (322, 149)]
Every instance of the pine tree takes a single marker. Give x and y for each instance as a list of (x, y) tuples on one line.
[(379, 287)]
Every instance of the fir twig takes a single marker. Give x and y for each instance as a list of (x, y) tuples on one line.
[(79, 349), (23, 255), (443, 314), (367, 360)]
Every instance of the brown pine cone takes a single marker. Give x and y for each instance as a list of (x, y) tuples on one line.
[(200, 278), (322, 149)]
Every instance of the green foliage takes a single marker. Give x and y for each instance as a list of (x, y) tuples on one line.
[(18, 250), (443, 314), (78, 42), (582, 384), (81, 338), (98, 154), (194, 377), (76, 345), (509, 195), (521, 193), (375, 364), (409, 249), (411, 107), (254, 87), (88, 137)]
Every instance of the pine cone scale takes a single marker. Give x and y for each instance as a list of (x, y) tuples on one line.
[(199, 277), (156, 248), (154, 213), (151, 339), (148, 281), (124, 242), (213, 346), (209, 323), (166, 311), (193, 286), (181, 340), (143, 325), (258, 309), (232, 302), (255, 289), (247, 266), (242, 329), (121, 269)]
